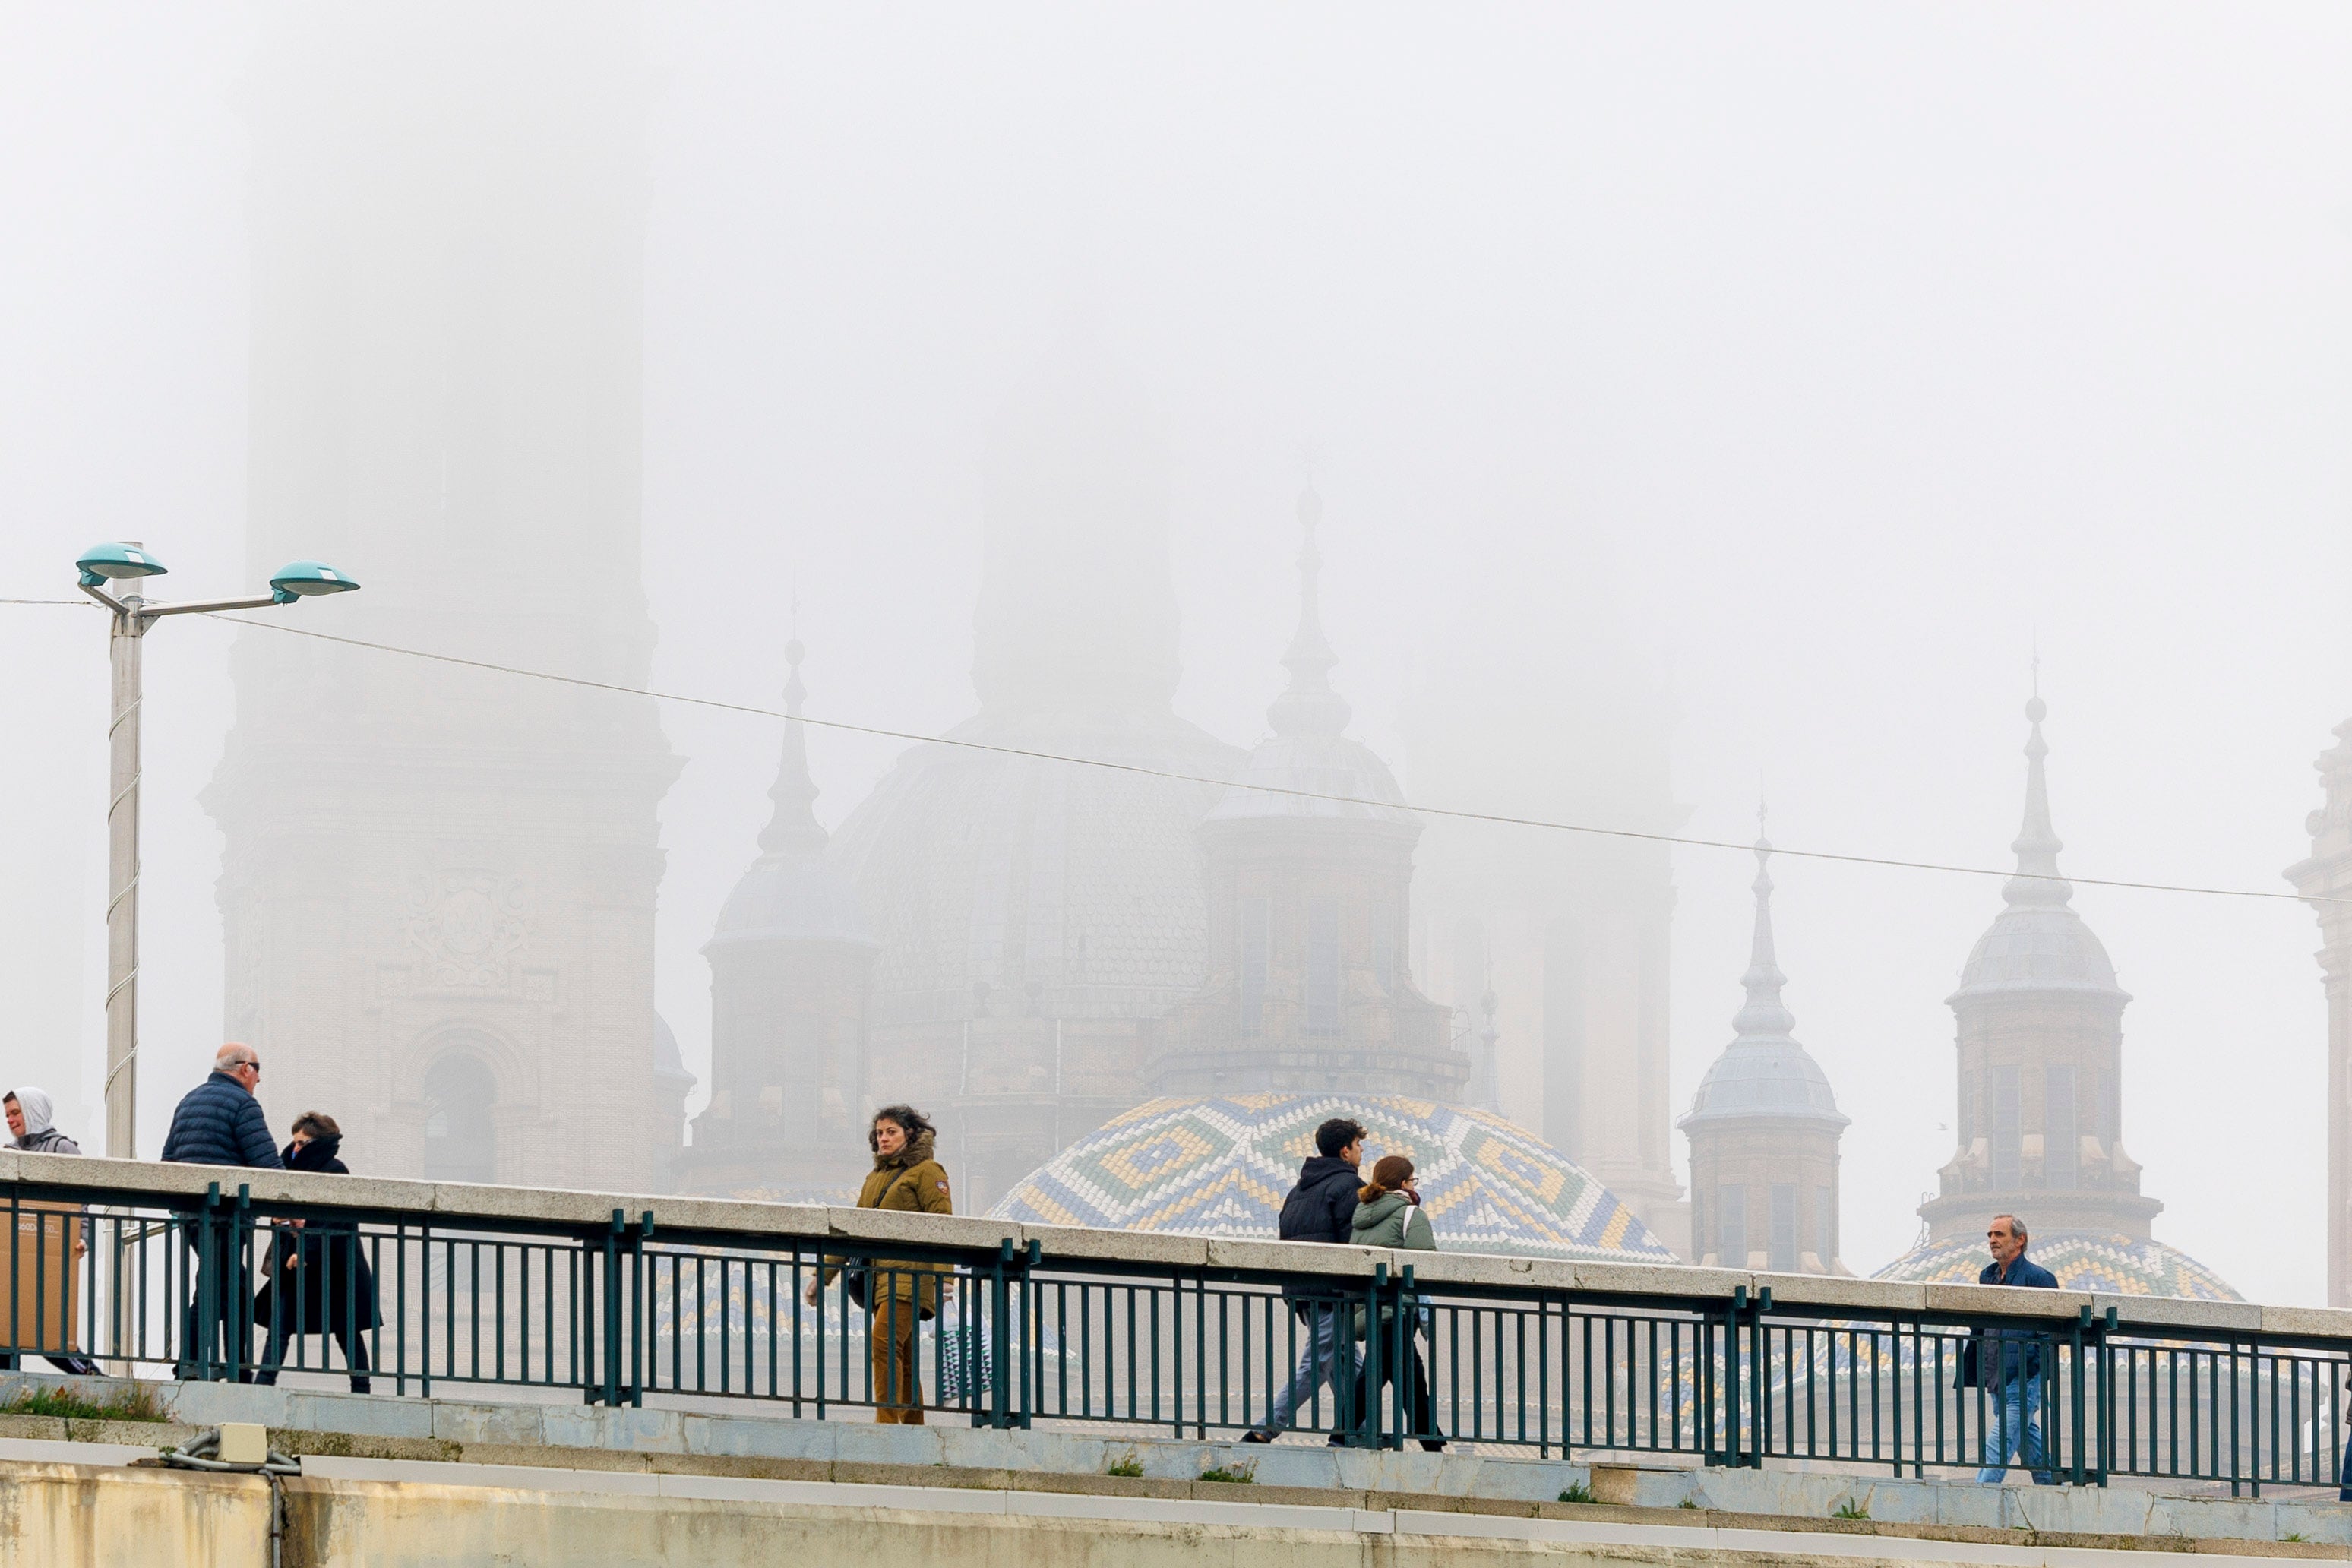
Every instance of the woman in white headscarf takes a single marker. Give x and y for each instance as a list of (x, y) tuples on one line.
[(29, 1112), (29, 1127)]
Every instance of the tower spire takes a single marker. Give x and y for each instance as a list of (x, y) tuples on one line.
[(2037, 845), (1764, 1012), (795, 825), (1309, 706)]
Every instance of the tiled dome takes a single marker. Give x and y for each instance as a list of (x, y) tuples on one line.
[(2114, 1264), (1219, 1166)]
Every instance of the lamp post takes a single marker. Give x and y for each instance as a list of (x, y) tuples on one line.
[(122, 563)]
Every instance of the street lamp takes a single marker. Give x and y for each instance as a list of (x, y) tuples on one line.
[(122, 563)]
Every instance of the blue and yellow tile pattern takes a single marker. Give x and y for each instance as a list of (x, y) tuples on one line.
[(2082, 1260), (1219, 1166)]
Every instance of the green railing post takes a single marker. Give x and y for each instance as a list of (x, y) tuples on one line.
[(1758, 1381), (1732, 1453), (206, 1328), (2078, 1421), (609, 1323), (1000, 1323), (1400, 1352), (640, 1289), (240, 1253), (1024, 1412)]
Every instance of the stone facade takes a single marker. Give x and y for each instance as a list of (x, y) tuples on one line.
[(1764, 1131), (438, 882), (2328, 874)]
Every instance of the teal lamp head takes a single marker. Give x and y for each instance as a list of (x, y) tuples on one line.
[(302, 579), (116, 560)]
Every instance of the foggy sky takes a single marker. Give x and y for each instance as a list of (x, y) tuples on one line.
[(1793, 369)]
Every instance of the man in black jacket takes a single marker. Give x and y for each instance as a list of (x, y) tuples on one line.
[(219, 1122), (1322, 1207)]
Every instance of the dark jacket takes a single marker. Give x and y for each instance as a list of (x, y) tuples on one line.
[(1322, 1207), (218, 1123), (2020, 1350), (327, 1285)]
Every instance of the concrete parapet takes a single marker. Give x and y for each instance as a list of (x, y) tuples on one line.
[(749, 1224)]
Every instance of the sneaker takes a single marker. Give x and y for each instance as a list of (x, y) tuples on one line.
[(1434, 1445), (1334, 1441), (1257, 1437)]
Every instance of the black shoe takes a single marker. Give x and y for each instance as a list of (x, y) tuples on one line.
[(1334, 1441), (1257, 1437), (1434, 1445)]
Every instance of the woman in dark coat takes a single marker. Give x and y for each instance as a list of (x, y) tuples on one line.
[(319, 1282)]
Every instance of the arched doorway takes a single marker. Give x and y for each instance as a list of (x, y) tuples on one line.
[(461, 1140)]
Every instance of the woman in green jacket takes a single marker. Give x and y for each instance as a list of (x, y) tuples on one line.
[(1389, 1215), (897, 1293)]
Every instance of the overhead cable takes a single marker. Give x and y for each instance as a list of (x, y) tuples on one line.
[(1449, 813)]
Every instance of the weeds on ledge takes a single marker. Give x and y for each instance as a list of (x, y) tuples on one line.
[(1219, 1473), (1577, 1492), (130, 1404), (1850, 1509), (1688, 1502), (1129, 1467)]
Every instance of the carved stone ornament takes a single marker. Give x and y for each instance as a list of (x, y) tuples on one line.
[(468, 925)]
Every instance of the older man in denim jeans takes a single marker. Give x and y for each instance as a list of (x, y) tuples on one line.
[(2011, 1375)]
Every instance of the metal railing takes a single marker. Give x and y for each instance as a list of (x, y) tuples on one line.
[(411, 1289)]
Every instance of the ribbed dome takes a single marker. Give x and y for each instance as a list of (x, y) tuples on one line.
[(1762, 1078), (1309, 752), (1320, 766), (1220, 1165), (791, 898), (2037, 948), (791, 893), (1764, 1071), (2038, 943)]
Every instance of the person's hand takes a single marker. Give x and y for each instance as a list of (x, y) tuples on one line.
[(809, 1294)]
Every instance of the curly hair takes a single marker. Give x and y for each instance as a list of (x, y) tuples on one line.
[(913, 1122)]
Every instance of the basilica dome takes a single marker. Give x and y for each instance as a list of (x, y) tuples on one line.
[(1219, 1166), (1078, 889), (2040, 949), (2109, 1262)]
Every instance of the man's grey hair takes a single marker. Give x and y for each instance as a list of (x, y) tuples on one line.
[(233, 1055), (2016, 1225)]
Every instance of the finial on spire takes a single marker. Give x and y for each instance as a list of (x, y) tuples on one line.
[(2037, 881), (793, 826), (1764, 1012), (1309, 706)]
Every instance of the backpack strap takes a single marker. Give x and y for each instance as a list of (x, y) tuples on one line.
[(899, 1182)]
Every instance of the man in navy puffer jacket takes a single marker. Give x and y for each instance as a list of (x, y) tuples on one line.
[(219, 1122)]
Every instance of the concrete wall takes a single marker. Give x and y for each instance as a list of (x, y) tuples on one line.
[(346, 1513)]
